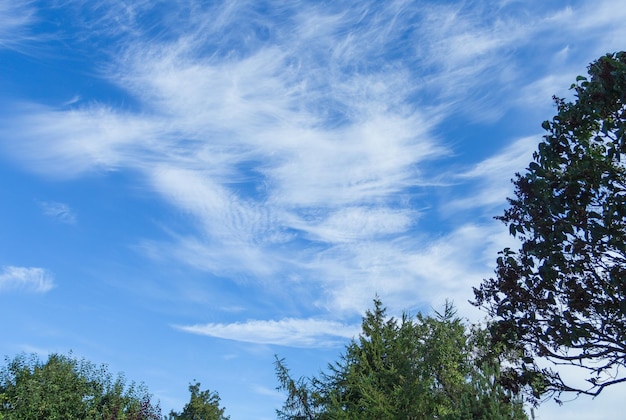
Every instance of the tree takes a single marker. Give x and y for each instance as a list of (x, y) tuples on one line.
[(427, 367), (68, 388), (562, 296), (202, 405)]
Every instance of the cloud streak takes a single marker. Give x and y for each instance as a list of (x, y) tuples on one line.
[(58, 211), (25, 279), (285, 332), (15, 20)]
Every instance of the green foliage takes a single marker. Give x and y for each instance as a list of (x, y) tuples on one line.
[(202, 405), (562, 296), (426, 367), (68, 388)]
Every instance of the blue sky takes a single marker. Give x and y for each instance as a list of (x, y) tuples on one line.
[(190, 187)]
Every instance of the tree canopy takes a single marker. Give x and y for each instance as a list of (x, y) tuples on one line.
[(412, 368), (562, 295), (68, 388), (202, 405)]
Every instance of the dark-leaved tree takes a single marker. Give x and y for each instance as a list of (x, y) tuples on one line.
[(562, 296)]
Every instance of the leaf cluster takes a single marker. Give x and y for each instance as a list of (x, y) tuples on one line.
[(562, 296)]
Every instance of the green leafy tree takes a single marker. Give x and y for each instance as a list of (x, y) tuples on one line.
[(67, 388), (426, 367), (202, 405), (562, 296)]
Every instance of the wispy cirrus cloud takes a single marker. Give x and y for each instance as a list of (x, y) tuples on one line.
[(285, 332), (491, 178), (15, 20), (298, 139), (25, 279), (58, 211), (68, 143)]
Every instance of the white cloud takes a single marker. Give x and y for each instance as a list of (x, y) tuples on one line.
[(542, 90), (602, 16), (68, 143), (491, 178), (58, 211), (285, 332), (15, 19), (357, 223), (414, 272), (302, 155), (26, 279), (269, 392), (509, 160)]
